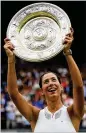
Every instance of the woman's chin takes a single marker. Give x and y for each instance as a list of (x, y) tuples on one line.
[(53, 95)]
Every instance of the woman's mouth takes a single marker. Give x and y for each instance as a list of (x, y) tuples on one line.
[(52, 90)]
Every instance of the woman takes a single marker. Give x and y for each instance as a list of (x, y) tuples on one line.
[(55, 117)]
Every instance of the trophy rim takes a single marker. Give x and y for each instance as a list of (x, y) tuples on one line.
[(29, 6), (40, 60), (34, 4)]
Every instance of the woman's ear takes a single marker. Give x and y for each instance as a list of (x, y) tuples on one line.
[(42, 92), (62, 89)]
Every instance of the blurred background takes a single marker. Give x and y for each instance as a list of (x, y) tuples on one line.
[(28, 73)]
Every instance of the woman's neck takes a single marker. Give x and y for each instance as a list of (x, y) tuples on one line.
[(53, 106)]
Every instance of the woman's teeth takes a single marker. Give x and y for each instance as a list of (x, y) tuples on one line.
[(51, 90)]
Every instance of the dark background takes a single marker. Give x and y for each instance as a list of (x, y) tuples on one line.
[(76, 11)]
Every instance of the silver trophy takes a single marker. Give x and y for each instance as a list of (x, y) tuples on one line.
[(38, 30)]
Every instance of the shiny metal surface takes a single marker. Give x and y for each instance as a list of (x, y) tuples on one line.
[(37, 31)]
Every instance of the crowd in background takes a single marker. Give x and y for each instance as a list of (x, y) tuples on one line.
[(28, 85)]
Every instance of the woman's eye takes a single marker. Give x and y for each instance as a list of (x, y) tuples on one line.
[(46, 81), (53, 79)]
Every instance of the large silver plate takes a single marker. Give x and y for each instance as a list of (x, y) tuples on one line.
[(38, 30)]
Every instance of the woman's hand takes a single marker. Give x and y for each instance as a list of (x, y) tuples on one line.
[(68, 40), (8, 47)]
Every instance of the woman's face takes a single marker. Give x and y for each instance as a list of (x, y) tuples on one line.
[(51, 86)]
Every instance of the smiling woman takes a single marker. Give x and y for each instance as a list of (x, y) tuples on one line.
[(51, 87), (50, 77), (55, 117), (40, 81), (50, 118)]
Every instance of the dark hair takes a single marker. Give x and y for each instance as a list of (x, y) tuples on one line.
[(40, 80)]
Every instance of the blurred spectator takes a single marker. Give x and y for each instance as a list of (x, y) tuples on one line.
[(67, 99), (18, 119), (25, 123), (10, 113), (3, 112), (37, 99), (83, 123), (65, 84), (84, 88), (62, 71)]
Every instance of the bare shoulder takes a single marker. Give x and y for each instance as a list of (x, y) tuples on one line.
[(74, 117)]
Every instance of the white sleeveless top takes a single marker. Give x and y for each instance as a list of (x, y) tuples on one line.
[(57, 122)]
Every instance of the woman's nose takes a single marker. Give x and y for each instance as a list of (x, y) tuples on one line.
[(50, 82)]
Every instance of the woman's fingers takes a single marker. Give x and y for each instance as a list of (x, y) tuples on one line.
[(6, 40), (9, 46), (72, 30), (71, 33), (8, 43), (69, 38)]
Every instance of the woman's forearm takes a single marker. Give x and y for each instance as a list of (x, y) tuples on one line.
[(74, 71), (11, 77), (78, 92)]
